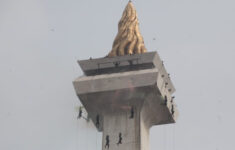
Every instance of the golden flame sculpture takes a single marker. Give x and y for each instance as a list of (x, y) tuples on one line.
[(128, 40)]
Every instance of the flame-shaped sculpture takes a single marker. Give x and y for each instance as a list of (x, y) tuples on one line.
[(128, 39)]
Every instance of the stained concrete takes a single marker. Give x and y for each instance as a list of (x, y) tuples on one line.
[(112, 96), (106, 65)]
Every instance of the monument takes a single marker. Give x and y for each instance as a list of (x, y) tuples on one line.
[(128, 91)]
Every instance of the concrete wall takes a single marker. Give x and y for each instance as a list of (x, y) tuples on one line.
[(115, 123)]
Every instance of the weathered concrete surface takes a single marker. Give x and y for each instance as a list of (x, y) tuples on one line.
[(113, 96), (125, 63), (149, 60)]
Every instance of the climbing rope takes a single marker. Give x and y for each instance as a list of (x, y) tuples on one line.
[(174, 137), (165, 136), (96, 140)]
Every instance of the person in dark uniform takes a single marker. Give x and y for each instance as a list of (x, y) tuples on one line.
[(107, 142), (165, 100), (172, 110), (132, 112), (120, 139), (80, 112), (97, 121)]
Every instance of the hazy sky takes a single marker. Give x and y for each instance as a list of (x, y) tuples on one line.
[(41, 40)]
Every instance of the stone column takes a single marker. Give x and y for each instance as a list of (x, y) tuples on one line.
[(125, 101)]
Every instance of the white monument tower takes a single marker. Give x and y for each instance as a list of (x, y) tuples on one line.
[(128, 91)]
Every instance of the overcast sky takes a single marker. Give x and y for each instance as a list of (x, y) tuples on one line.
[(41, 40)]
